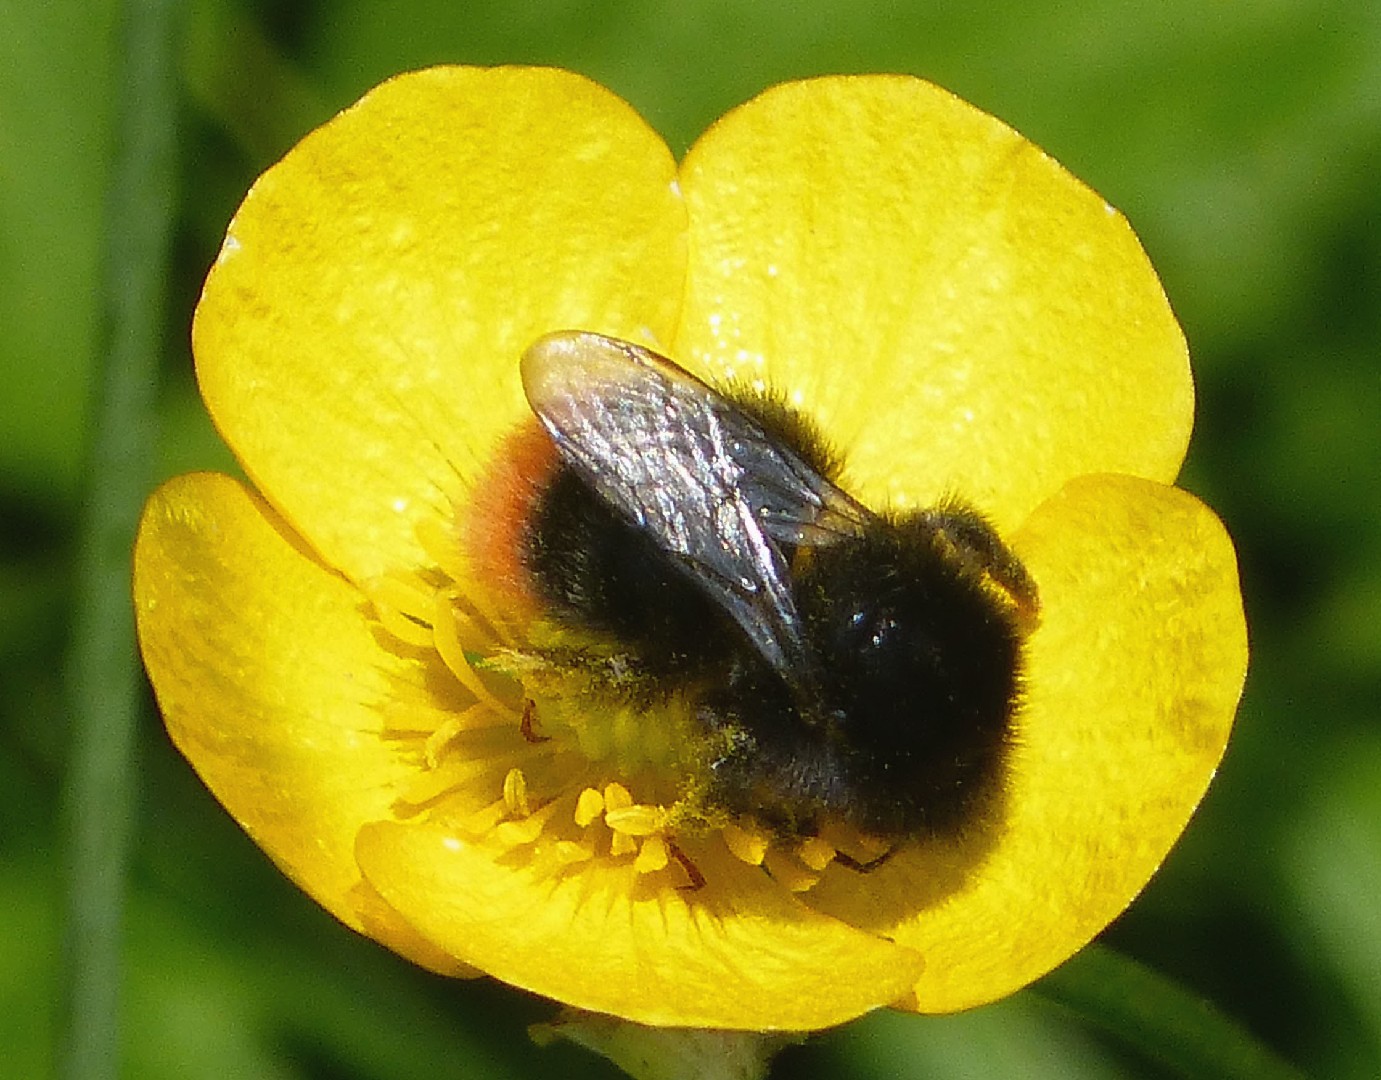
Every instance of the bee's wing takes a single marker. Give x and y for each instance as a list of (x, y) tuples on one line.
[(700, 475)]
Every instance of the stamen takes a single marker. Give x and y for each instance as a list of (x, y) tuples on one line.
[(517, 833), (441, 547), (515, 793), (872, 848), (448, 645), (481, 821), (400, 719), (588, 807), (638, 820), (616, 797), (444, 550), (439, 739), (652, 856), (789, 873), (746, 842), (552, 859), (406, 593), (816, 852), (477, 611), (447, 726), (570, 852), (392, 602)]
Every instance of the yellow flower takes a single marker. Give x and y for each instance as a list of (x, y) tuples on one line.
[(956, 312)]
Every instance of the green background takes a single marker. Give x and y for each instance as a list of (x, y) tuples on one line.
[(1243, 140)]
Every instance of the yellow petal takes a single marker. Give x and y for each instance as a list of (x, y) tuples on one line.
[(357, 342), (962, 315), (1133, 678), (736, 954), (267, 677)]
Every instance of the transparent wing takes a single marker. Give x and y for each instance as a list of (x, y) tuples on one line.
[(690, 467)]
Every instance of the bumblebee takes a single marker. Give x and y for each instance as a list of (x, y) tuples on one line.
[(847, 665)]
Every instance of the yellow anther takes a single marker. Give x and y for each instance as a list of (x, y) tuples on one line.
[(439, 739), (405, 593), (623, 844), (513, 833), (515, 793), (871, 847), (484, 819), (749, 845), (816, 852), (403, 606), (447, 643), (588, 807), (640, 820), (652, 856), (789, 873), (400, 626), (569, 852), (616, 796)]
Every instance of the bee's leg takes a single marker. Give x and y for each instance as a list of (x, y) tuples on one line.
[(528, 723), (696, 880), (850, 863), (976, 542)]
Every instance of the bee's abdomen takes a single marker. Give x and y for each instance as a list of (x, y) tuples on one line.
[(594, 570)]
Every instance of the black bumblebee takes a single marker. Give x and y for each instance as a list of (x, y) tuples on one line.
[(847, 666)]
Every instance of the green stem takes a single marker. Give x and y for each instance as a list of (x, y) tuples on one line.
[(104, 685), (1160, 1018)]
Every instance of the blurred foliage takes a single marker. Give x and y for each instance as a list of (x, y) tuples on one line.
[(1243, 140)]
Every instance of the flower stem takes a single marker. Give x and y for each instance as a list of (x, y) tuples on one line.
[(104, 690), (1169, 1024)]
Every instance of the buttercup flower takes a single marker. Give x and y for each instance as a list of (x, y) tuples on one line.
[(343, 649)]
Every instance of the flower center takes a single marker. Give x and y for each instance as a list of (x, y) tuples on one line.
[(562, 763)]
